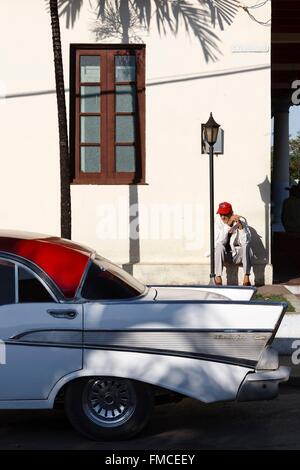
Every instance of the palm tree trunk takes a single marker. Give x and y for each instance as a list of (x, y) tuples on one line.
[(65, 201), (125, 20)]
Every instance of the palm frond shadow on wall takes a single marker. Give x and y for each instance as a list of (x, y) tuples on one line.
[(126, 20)]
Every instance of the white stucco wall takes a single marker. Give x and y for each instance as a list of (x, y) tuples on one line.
[(236, 88)]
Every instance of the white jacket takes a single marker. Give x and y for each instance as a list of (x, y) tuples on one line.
[(238, 237)]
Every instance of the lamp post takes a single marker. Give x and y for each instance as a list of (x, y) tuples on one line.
[(211, 129)]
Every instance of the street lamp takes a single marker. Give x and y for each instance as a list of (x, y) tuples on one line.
[(211, 129)]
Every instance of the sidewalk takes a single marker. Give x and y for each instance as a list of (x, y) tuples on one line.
[(289, 330), (290, 291)]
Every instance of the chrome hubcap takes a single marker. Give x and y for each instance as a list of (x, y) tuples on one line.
[(108, 401)]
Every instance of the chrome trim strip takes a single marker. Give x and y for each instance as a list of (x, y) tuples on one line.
[(201, 357), (281, 374), (46, 330), (78, 296), (220, 359), (145, 330), (181, 330), (52, 336), (206, 286), (172, 302), (44, 344), (246, 346), (16, 283)]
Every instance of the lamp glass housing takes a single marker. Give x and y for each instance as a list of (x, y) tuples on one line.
[(211, 129)]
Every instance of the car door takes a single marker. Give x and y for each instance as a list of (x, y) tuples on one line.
[(41, 338)]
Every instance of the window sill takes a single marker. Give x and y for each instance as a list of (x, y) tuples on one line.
[(96, 182)]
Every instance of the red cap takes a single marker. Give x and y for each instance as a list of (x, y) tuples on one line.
[(224, 208)]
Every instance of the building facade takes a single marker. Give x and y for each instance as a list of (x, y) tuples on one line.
[(139, 84)]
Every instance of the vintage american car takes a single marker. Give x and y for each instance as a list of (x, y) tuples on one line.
[(78, 328)]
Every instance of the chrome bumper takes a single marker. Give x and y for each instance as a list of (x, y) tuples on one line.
[(262, 385)]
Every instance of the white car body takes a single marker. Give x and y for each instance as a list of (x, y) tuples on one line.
[(124, 339), (209, 343)]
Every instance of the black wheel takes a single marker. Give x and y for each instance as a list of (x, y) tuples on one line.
[(108, 408)]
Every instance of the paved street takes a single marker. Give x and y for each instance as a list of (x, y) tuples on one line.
[(185, 425)]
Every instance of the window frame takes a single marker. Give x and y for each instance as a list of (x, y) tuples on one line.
[(17, 288), (108, 174)]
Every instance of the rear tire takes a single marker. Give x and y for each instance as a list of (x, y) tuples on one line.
[(108, 408)]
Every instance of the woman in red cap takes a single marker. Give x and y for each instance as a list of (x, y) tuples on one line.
[(232, 242)]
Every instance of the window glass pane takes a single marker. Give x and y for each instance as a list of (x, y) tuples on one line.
[(90, 99), (125, 159), (90, 129), (125, 99), (7, 282), (31, 289), (125, 68), (125, 129), (89, 68), (108, 281), (90, 159)]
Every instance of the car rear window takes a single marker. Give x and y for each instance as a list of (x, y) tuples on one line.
[(106, 281)]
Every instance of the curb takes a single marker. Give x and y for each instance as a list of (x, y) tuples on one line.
[(289, 330), (293, 296)]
